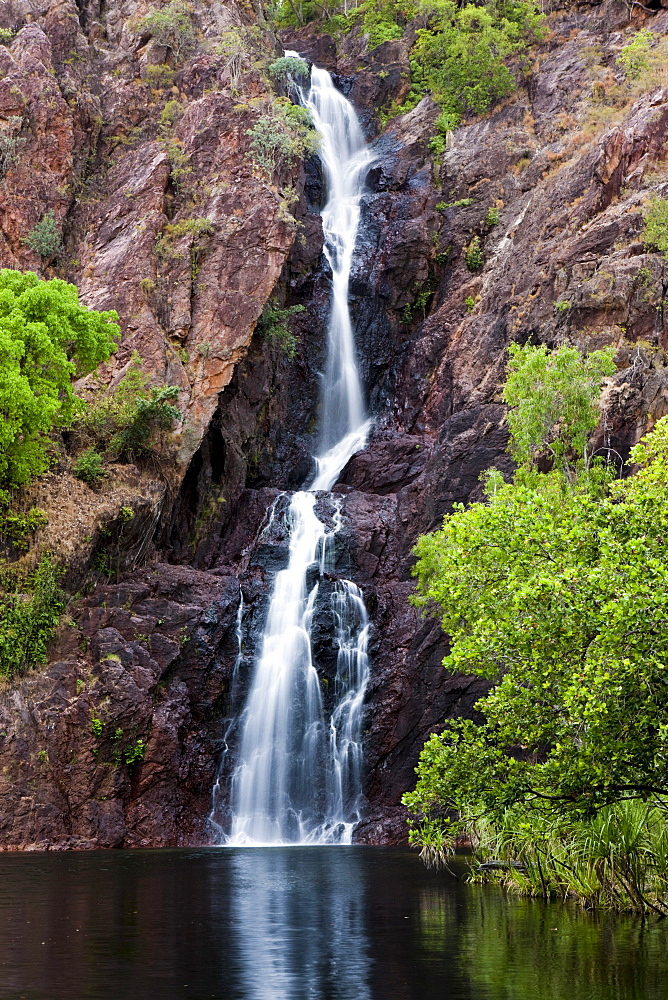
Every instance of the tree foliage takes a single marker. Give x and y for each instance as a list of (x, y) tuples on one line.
[(556, 591), (171, 26), (633, 57), (460, 52), (656, 225), (552, 398), (273, 326), (460, 57), (282, 136), (289, 66), (125, 420), (30, 610), (44, 238), (46, 340)]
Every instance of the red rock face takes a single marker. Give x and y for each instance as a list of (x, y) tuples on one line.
[(95, 153), (152, 655)]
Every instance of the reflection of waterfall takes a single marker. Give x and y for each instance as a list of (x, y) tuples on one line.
[(299, 928), (297, 780)]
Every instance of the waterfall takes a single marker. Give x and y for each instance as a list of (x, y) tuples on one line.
[(298, 777)]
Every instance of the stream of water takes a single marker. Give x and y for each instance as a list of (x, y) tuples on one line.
[(297, 778)]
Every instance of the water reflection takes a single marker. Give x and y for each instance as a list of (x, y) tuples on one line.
[(301, 924)]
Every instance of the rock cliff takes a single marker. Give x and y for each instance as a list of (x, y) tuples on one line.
[(551, 182)]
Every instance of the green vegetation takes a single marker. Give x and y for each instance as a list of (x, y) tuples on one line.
[(179, 161), (171, 26), (198, 229), (633, 58), (460, 55), (473, 257), (383, 20), (169, 116), (159, 76), (30, 609), (423, 293), (462, 203), (125, 421), (282, 136), (46, 340), (288, 66), (173, 231), (552, 404), (656, 225), (11, 143), (618, 859), (492, 217), (273, 326), (44, 238), (16, 526), (242, 48), (89, 467), (134, 752), (555, 591)]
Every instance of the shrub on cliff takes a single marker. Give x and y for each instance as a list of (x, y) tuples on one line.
[(16, 525), (656, 225), (273, 326), (126, 420), (460, 56), (46, 340), (11, 143), (171, 26), (44, 238), (282, 136), (289, 66), (30, 609)]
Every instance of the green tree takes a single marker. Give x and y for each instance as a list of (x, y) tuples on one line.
[(633, 57), (288, 66), (171, 26), (273, 326), (656, 225), (44, 238), (460, 56), (30, 610), (560, 598), (282, 136), (552, 399), (126, 418), (556, 591), (46, 340)]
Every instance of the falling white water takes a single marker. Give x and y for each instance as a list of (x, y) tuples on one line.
[(298, 778)]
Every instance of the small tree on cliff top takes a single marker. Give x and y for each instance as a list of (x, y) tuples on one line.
[(46, 340)]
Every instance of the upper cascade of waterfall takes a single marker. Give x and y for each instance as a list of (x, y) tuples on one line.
[(345, 159), (298, 775)]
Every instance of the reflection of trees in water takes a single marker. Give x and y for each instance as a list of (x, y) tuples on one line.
[(518, 949), (299, 924), (302, 924), (438, 915)]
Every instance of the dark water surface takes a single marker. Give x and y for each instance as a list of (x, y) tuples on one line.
[(315, 923)]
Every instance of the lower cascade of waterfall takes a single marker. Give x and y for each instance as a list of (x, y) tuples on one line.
[(297, 774)]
